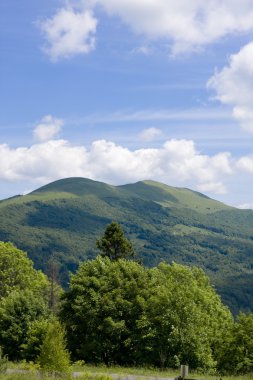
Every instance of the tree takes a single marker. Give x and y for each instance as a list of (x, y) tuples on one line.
[(237, 350), (54, 356), (24, 298), (120, 312), (55, 289), (35, 336), (113, 243), (17, 311), (101, 310), (17, 272), (185, 319)]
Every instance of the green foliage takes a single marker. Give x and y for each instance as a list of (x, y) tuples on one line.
[(17, 311), (17, 272), (3, 361), (89, 376), (47, 376), (54, 356), (33, 376), (101, 309), (63, 219), (185, 320), (120, 312), (23, 298), (237, 350), (113, 243), (35, 336)]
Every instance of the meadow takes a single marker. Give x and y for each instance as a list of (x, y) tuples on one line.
[(101, 372)]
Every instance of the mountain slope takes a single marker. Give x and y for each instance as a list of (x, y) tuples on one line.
[(64, 219)]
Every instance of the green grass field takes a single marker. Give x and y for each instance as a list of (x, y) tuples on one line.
[(151, 373), (104, 373)]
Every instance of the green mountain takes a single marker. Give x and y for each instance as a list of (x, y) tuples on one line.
[(64, 219)]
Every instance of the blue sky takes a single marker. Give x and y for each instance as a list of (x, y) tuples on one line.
[(126, 91)]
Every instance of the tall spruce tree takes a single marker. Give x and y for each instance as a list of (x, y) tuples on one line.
[(114, 244)]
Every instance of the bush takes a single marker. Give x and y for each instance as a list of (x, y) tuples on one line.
[(54, 356), (3, 362)]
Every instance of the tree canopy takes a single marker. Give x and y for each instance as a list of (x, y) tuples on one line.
[(17, 311), (120, 312), (17, 272), (117, 311), (114, 244), (236, 353), (24, 298)]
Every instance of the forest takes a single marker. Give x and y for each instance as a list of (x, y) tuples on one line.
[(63, 219), (118, 312)]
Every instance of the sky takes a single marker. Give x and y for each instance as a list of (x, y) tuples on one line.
[(123, 91)]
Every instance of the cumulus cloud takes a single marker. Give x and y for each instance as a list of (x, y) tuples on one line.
[(150, 134), (69, 33), (187, 24), (42, 162), (48, 128), (234, 86), (177, 163), (245, 164)]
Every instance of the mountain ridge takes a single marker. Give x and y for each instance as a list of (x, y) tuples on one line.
[(64, 218)]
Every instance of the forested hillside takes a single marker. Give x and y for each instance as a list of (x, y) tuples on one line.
[(117, 311), (64, 218)]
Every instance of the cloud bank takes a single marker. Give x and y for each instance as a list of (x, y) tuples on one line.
[(188, 24), (185, 25), (176, 162)]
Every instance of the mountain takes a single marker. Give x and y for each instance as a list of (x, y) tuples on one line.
[(63, 219)]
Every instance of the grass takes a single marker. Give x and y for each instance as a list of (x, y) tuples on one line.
[(102, 372), (35, 375), (151, 372)]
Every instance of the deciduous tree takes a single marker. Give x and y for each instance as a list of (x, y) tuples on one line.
[(54, 356), (120, 312)]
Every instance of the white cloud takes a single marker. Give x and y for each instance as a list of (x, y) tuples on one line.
[(177, 163), (69, 33), (246, 164), (187, 24), (42, 162), (234, 86), (48, 128), (246, 206), (150, 134)]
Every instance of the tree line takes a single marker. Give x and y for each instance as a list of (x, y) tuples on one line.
[(116, 311)]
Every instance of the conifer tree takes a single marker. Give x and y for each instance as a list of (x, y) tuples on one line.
[(114, 244)]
